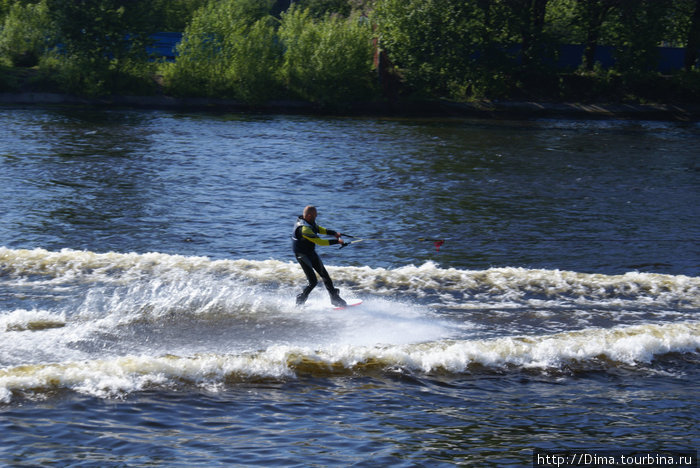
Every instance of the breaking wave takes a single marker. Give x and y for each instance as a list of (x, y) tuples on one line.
[(578, 350), (109, 324), (461, 289)]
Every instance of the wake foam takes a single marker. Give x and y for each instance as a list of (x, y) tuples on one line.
[(117, 376), (114, 323), (31, 320), (448, 287)]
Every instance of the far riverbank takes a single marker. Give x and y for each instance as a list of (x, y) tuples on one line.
[(413, 108)]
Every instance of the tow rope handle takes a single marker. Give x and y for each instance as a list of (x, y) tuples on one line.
[(351, 242), (346, 243)]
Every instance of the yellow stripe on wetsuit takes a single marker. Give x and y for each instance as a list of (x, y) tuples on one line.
[(309, 234)]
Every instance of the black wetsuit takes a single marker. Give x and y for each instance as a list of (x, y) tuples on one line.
[(304, 241)]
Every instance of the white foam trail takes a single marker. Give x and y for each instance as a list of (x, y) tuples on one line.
[(21, 319), (449, 287), (123, 375), (517, 285), (69, 265), (377, 321), (629, 345), (112, 323), (107, 377)]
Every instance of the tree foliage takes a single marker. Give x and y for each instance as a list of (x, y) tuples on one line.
[(173, 15), (102, 30), (495, 48), (450, 48), (101, 43), (692, 35), (321, 8), (639, 27), (26, 33), (430, 40), (322, 50), (326, 60), (235, 48), (230, 50)]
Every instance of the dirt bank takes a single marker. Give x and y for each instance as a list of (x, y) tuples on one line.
[(413, 108)]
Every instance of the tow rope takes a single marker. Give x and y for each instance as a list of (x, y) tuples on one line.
[(436, 242)]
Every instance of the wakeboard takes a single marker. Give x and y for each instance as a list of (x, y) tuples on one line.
[(350, 304)]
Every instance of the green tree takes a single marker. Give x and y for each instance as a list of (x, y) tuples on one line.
[(593, 14), (692, 38), (639, 26), (256, 58), (229, 50), (456, 49), (5, 8), (103, 42), (529, 17), (26, 33), (173, 15), (433, 43), (329, 60), (102, 30), (561, 23), (321, 8)]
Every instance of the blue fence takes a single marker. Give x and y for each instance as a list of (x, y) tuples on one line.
[(164, 45), (570, 55)]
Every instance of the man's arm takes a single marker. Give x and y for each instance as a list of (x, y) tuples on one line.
[(311, 236)]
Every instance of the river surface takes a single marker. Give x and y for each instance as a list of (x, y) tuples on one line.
[(526, 285)]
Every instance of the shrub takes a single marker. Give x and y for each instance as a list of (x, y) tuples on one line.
[(102, 45), (229, 50), (26, 33), (81, 75), (256, 58), (328, 61), (440, 46)]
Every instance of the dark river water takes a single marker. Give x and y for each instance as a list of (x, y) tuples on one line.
[(147, 287)]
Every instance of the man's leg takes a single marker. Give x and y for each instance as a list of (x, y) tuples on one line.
[(307, 266), (323, 273)]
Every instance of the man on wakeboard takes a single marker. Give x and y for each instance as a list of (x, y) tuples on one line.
[(304, 241)]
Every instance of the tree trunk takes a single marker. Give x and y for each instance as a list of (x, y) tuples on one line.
[(693, 42), (595, 13), (532, 37)]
